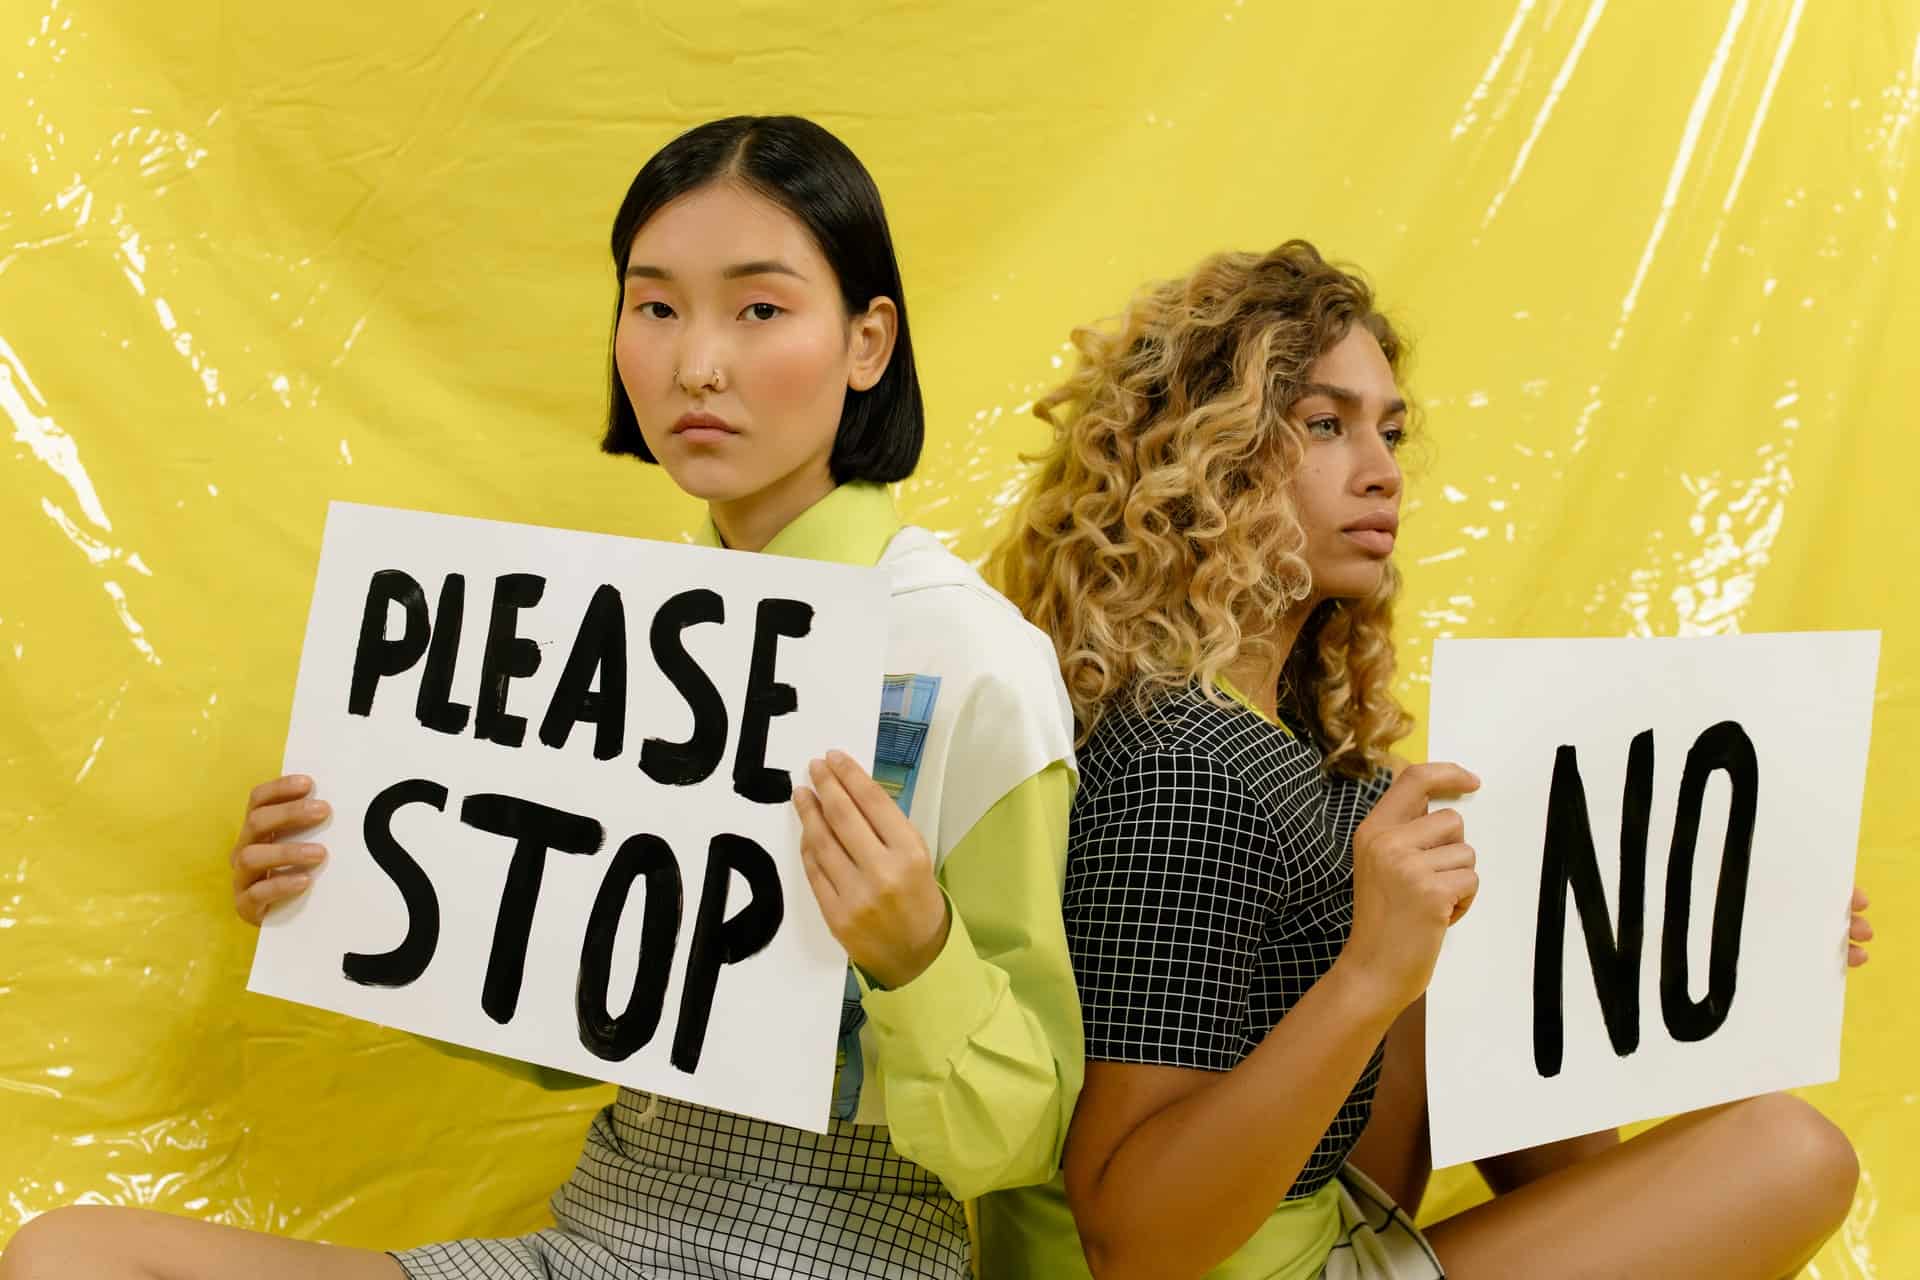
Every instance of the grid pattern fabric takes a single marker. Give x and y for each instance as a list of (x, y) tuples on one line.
[(668, 1190), (1377, 1241), (1209, 885)]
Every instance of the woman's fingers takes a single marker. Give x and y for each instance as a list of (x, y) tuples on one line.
[(1859, 929), (820, 849), (817, 879), (1417, 786), (1462, 885), (265, 871), (843, 815), (1441, 827), (263, 895), (258, 861), (882, 812), (292, 786), (1451, 857), (268, 822)]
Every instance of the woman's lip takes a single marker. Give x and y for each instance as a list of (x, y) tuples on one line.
[(704, 434), (707, 423), (1376, 541)]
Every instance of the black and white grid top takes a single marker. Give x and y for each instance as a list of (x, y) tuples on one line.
[(1209, 884)]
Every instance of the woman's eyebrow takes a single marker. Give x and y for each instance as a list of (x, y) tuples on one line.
[(761, 267), (739, 270), (1346, 397)]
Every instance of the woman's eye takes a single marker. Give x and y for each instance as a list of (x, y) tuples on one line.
[(1323, 428), (655, 310), (762, 311), (1394, 436)]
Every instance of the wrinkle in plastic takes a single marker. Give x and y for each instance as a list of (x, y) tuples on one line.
[(1659, 263)]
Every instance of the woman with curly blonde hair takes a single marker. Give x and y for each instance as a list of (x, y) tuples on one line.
[(1254, 901)]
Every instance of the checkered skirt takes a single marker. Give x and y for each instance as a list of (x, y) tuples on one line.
[(668, 1190)]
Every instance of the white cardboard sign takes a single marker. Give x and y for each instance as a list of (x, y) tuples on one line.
[(1561, 1004), (560, 766)]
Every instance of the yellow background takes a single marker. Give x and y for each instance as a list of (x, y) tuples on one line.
[(1659, 260)]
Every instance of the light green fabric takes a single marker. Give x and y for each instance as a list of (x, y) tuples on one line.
[(1028, 1234)]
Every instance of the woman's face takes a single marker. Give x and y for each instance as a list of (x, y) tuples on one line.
[(1347, 490), (736, 351)]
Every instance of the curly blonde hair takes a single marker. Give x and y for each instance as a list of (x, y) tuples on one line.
[(1159, 539)]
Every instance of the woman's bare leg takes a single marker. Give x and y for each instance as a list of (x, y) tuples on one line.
[(1396, 1152), (137, 1244), (1516, 1169), (1748, 1190)]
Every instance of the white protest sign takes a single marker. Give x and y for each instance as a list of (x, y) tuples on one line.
[(1666, 833), (561, 767)]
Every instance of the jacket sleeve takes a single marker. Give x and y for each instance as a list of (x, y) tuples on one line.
[(981, 1055)]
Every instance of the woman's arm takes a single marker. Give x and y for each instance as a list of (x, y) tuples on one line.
[(978, 1042), (1171, 1169), (1182, 1148)]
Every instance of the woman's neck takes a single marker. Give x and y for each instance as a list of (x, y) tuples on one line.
[(749, 523), (1258, 675)]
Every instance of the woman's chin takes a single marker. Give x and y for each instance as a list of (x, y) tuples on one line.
[(1352, 582), (709, 480)]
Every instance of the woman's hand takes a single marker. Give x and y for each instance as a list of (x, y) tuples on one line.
[(871, 872), (266, 871), (1413, 877), (1858, 930)]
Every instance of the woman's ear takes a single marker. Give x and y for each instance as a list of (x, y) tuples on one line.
[(870, 343)]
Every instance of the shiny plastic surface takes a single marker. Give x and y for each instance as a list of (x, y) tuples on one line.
[(1660, 261)]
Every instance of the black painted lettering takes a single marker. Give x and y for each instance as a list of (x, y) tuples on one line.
[(406, 962), (375, 656), (599, 651), (767, 698), (1569, 861), (435, 706), (618, 1038), (719, 940), (509, 656), (1725, 747), (681, 764), (534, 829)]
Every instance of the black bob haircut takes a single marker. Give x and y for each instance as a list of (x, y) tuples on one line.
[(815, 177)]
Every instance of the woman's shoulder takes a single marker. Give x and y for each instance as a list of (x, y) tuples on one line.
[(1184, 732), (947, 605), (999, 713), (1174, 772), (1178, 722)]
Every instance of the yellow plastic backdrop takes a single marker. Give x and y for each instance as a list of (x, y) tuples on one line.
[(1659, 258)]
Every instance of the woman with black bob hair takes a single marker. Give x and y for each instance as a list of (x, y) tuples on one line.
[(760, 356), (819, 181)]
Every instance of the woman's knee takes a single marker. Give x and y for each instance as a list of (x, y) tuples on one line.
[(64, 1242), (1807, 1154)]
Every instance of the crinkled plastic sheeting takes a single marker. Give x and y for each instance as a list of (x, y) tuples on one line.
[(1660, 261)]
